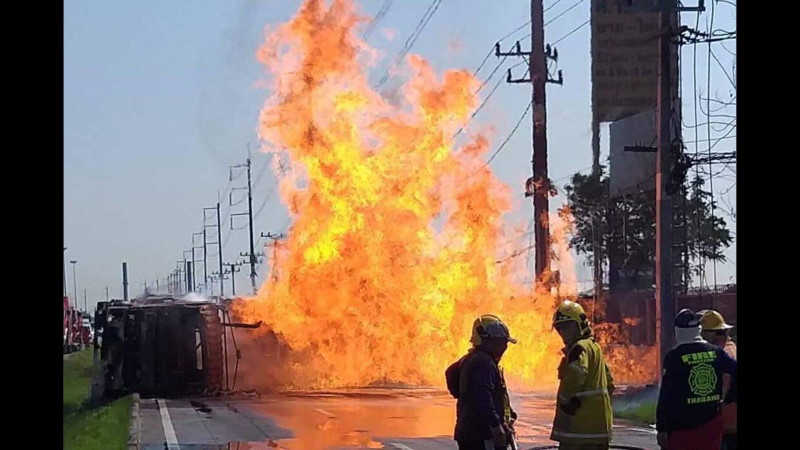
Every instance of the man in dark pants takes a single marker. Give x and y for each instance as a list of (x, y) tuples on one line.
[(484, 417)]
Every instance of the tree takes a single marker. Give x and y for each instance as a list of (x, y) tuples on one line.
[(622, 229)]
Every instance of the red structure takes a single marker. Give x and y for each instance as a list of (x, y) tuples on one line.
[(76, 336), (637, 310)]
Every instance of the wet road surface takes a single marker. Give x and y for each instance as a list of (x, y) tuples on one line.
[(404, 419)]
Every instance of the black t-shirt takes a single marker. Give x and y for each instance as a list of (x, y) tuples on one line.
[(691, 386)]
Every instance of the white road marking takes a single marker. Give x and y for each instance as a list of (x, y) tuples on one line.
[(400, 446), (640, 430), (325, 413), (166, 422)]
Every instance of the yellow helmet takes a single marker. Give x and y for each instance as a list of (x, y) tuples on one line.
[(490, 326), (713, 321), (569, 311)]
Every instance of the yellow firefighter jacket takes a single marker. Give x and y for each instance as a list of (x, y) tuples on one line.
[(583, 404)]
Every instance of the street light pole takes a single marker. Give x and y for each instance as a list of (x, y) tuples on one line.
[(74, 282)]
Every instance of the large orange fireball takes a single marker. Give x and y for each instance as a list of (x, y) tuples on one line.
[(398, 238)]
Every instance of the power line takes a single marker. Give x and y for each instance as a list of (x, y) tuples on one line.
[(286, 224), (477, 110), (732, 53), (499, 82), (423, 22), (378, 17), (261, 174), (701, 264), (556, 17), (717, 140), (551, 6), (515, 253), (263, 204), (496, 68), (565, 11), (573, 31), (414, 40), (514, 130), (530, 243), (703, 124), (486, 100), (567, 176), (485, 58), (491, 50), (515, 30), (723, 68)]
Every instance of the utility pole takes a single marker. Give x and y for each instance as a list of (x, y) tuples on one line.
[(194, 275), (194, 261), (189, 287), (181, 280), (219, 276), (219, 243), (250, 218), (275, 238), (205, 258), (664, 300), (187, 268), (106, 293), (85, 303), (125, 281), (247, 165), (233, 270), (666, 156), (538, 186), (74, 283), (538, 67)]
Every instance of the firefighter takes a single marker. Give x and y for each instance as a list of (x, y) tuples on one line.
[(717, 332), (484, 417), (688, 413), (583, 405)]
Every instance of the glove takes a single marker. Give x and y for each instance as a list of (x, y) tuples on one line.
[(572, 407)]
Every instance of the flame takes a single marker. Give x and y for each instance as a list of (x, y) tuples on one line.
[(632, 321), (398, 239), (629, 364)]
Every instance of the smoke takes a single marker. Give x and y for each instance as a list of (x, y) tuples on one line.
[(226, 103), (195, 297)]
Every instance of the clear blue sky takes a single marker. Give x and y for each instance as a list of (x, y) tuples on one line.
[(159, 100)]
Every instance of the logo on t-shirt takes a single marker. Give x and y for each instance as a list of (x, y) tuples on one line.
[(702, 377)]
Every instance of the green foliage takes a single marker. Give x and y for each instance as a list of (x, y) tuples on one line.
[(624, 227)]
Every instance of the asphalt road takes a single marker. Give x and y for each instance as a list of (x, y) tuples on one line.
[(402, 419)]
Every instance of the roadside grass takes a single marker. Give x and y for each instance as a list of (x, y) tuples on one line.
[(644, 412), (91, 427), (639, 406)]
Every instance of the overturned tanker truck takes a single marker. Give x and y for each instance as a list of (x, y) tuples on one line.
[(164, 346)]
